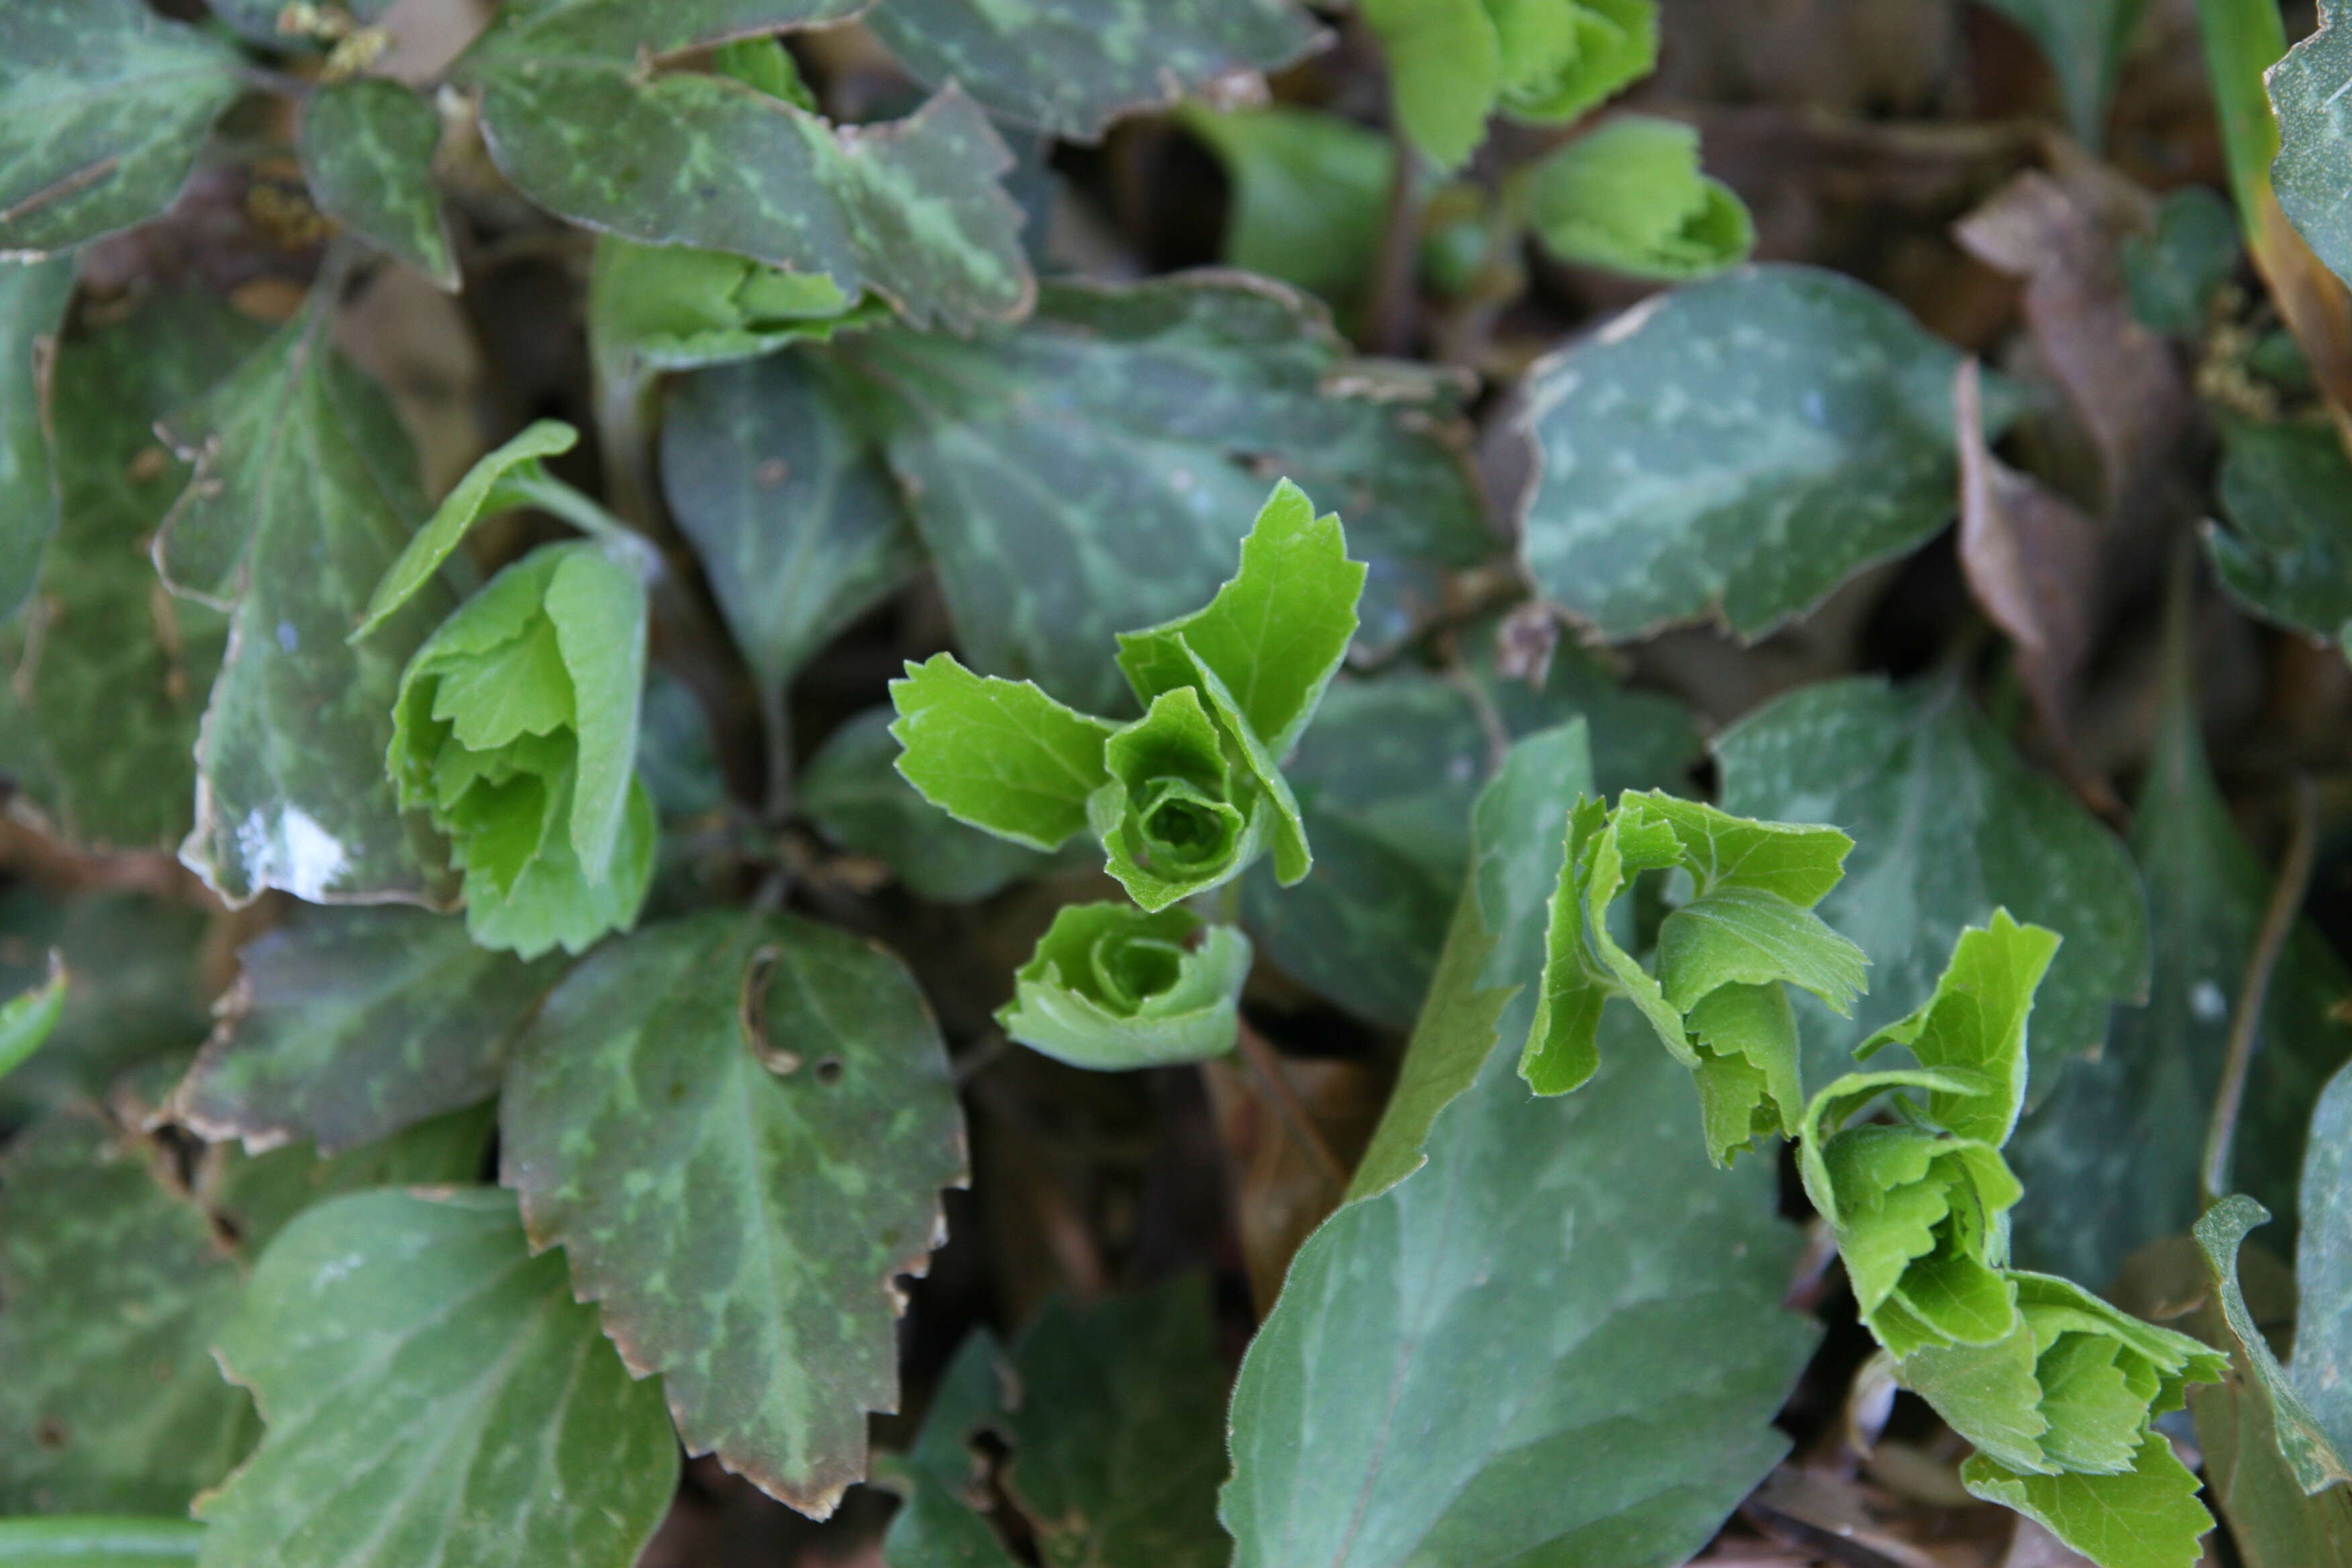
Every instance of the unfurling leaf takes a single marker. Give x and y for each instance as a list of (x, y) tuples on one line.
[(1715, 1001), (1113, 986), (500, 481), (1630, 197), (1561, 58), (516, 728), (672, 307), (999, 755), (1169, 818)]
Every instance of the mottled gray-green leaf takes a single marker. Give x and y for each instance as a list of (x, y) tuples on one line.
[(2173, 272), (97, 1540), (115, 1287), (935, 1525), (33, 298), (789, 505), (367, 151), (2315, 126), (135, 994), (2322, 1369), (305, 490), (113, 670), (254, 1195), (2084, 41), (2111, 1161), (2287, 552), (1118, 1438), (1948, 824), (432, 1394), (853, 791), (912, 210), (1073, 67), (347, 1026), (1095, 470), (737, 1129), (1737, 448), (1627, 1334), (103, 107)]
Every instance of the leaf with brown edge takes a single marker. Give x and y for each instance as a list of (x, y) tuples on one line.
[(737, 1129)]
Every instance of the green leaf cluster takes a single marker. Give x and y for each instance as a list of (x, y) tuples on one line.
[(1183, 799), (1629, 196), (1726, 954), (1455, 63)]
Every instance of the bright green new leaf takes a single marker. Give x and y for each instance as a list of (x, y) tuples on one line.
[(1747, 936), (1975, 1024), (1072, 68), (517, 731), (1173, 818), (2147, 1516), (1309, 190), (33, 300), (103, 109), (788, 504), (1737, 449), (367, 149), (347, 1026), (29, 1017), (305, 491), (672, 307), (2315, 123), (1445, 72), (737, 1128), (1561, 58), (1276, 631), (766, 64), (97, 1540), (1111, 986), (432, 1393), (998, 754), (500, 481), (113, 1286), (1630, 197)]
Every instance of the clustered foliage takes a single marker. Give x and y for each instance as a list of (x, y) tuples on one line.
[(496, 991)]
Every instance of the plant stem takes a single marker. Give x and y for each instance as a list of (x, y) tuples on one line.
[(2245, 1022), (557, 498), (1388, 310)]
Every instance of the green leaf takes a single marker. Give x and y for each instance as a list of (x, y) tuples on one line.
[(305, 491), (1975, 1025), (33, 300), (2111, 1161), (737, 1129), (935, 1525), (1633, 1325), (432, 1393), (499, 482), (1110, 986), (1561, 58), (1628, 197), (28, 1018), (671, 307), (852, 792), (2314, 124), (98, 1541), (912, 211), (2322, 1266), (2174, 272), (367, 149), (2147, 1516), (1309, 192), (1679, 476), (115, 674), (2314, 1452), (1170, 818), (1747, 936), (2085, 41), (254, 1195), (103, 107), (1948, 824), (1072, 69), (114, 1286), (2272, 1522), (999, 755), (137, 994), (347, 1026), (789, 506), (1513, 866), (517, 731), (1445, 72), (1276, 631), (1118, 1438), (2287, 552), (1092, 470)]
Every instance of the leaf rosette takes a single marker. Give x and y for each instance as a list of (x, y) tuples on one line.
[(1561, 58), (515, 730), (1113, 986)]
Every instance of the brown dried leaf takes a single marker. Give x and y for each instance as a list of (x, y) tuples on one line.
[(1281, 1191)]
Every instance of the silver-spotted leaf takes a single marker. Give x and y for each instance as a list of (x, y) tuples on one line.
[(737, 1128), (367, 151)]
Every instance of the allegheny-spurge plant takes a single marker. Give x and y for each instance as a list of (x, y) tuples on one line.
[(1169, 782)]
